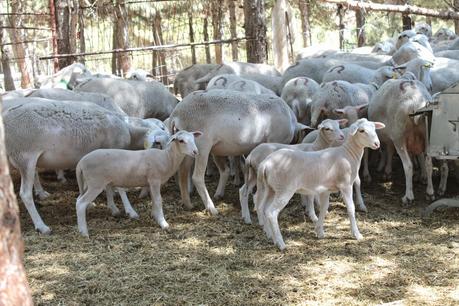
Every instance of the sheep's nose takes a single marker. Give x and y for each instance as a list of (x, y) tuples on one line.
[(195, 152), (341, 137), (376, 144)]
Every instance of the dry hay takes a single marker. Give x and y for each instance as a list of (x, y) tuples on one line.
[(221, 261)]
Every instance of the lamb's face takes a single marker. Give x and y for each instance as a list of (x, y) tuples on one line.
[(330, 129), (364, 132), (185, 142), (156, 138), (425, 29)]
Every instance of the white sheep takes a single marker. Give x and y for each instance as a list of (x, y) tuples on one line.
[(125, 168), (286, 172), (354, 73), (297, 93), (328, 133)]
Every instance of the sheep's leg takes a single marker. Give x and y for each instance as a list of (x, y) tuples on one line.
[(346, 192), (224, 171), (430, 193), (260, 198), (390, 150), (110, 202), (237, 171), (408, 169), (128, 209), (267, 228), (61, 176), (324, 202), (143, 192), (382, 158), (443, 177), (358, 194), (157, 211), (82, 204), (200, 165), (27, 169), (272, 214), (420, 161), (366, 171), (38, 188), (308, 202), (184, 174), (245, 190)]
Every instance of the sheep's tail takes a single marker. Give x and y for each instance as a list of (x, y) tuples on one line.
[(80, 180)]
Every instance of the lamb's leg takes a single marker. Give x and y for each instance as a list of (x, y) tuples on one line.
[(324, 202), (82, 204), (128, 209), (308, 202), (430, 193), (237, 171), (38, 188), (260, 198), (443, 177), (346, 192), (184, 174), (157, 211), (389, 157), (382, 158), (200, 165), (27, 169), (408, 169), (358, 194), (224, 171), (245, 190), (110, 202), (61, 176), (143, 192), (366, 171), (272, 214)]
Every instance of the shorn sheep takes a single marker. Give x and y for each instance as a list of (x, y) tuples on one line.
[(286, 172), (125, 168)]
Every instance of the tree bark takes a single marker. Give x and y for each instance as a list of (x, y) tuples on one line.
[(158, 37), (233, 29), (456, 21), (123, 61), (255, 30), (304, 7), (8, 76), (19, 48), (81, 35), (360, 23), (65, 30), (14, 289), (217, 15), (190, 25), (205, 31), (341, 26)]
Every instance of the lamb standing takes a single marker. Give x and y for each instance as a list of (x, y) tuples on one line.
[(120, 168), (286, 172)]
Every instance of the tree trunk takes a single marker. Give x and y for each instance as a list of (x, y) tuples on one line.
[(205, 31), (158, 37), (305, 25), (233, 29), (65, 31), (360, 23), (255, 30), (14, 289), (406, 22), (217, 15), (19, 48), (123, 61), (456, 21), (8, 76), (81, 31), (73, 23), (190, 25), (341, 26)]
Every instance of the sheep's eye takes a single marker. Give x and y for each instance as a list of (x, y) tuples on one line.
[(361, 131), (327, 129), (181, 141)]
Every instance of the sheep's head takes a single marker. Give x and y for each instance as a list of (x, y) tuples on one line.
[(156, 138), (330, 130), (364, 133), (352, 113), (185, 142), (423, 28)]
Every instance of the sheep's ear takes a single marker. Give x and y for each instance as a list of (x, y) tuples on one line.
[(379, 125), (353, 129), (197, 134), (362, 106), (304, 127), (172, 138), (308, 100), (339, 111), (342, 122)]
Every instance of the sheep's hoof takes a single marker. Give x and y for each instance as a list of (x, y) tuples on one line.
[(116, 213), (164, 226), (133, 215), (42, 195), (188, 206), (387, 176), (407, 202), (281, 246), (213, 211), (237, 181), (430, 197), (84, 233), (313, 219), (44, 230), (362, 208), (320, 233), (247, 220), (358, 236), (62, 180), (441, 192), (218, 197)]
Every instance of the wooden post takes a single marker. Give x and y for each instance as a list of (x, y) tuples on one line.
[(360, 23), (217, 15), (303, 5), (233, 28), (340, 14), (52, 21), (14, 289), (255, 30), (190, 25), (121, 23), (8, 76), (158, 36), (456, 22), (205, 31), (81, 35)]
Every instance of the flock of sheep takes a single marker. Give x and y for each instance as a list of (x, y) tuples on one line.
[(304, 131)]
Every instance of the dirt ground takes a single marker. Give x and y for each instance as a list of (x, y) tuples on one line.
[(203, 260)]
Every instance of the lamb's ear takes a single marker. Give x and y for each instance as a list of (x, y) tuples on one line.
[(379, 125), (342, 122), (308, 100), (361, 106), (196, 134), (172, 138), (353, 129), (304, 127), (339, 111)]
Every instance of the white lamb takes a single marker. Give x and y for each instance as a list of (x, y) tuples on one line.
[(286, 172), (125, 168)]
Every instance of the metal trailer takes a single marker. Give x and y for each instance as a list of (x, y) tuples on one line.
[(442, 119)]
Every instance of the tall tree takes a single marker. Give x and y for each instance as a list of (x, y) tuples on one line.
[(456, 22), (8, 76), (158, 40), (66, 14), (255, 30), (360, 24), (217, 16), (304, 6), (18, 37), (121, 37), (233, 28), (205, 31), (14, 289)]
